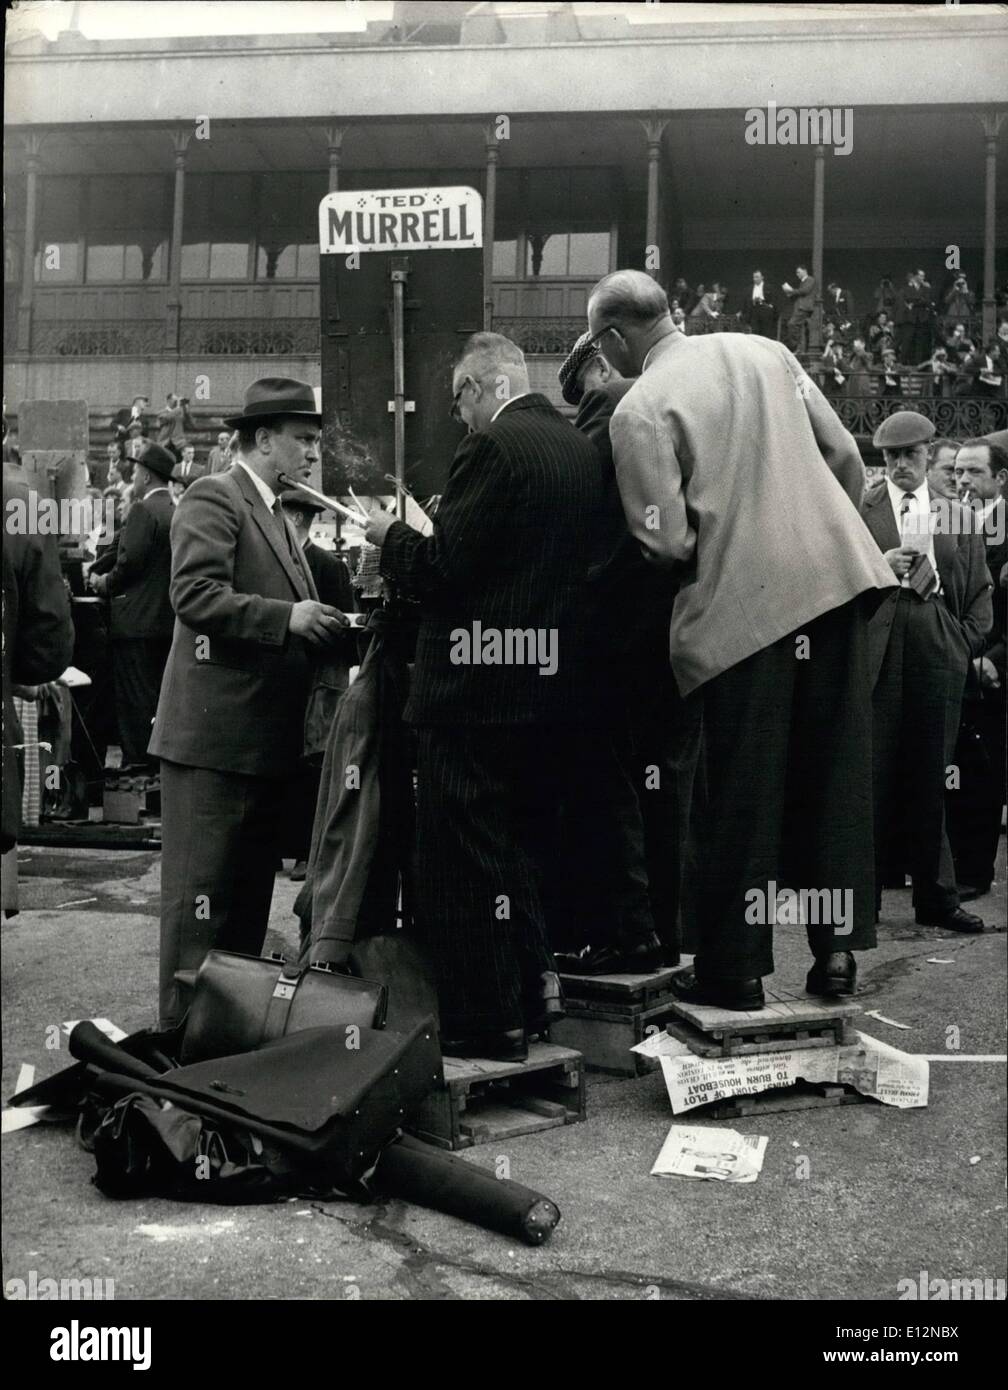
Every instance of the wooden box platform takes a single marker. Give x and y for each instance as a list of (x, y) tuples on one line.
[(126, 800), (789, 1021), (607, 1015), (483, 1101)]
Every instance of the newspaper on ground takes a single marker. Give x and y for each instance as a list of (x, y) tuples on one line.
[(872, 1067), (723, 1155)]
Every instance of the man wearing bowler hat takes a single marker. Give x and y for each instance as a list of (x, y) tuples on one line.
[(228, 728), (141, 618), (924, 635)]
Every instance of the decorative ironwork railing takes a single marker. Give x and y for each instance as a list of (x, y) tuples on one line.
[(249, 337), (959, 417), (97, 338)]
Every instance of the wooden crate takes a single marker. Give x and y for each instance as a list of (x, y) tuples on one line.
[(607, 1015), (483, 1101), (803, 1095), (605, 1035), (126, 800), (789, 1021), (622, 990)]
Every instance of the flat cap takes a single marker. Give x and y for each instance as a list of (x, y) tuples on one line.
[(582, 351), (903, 428)]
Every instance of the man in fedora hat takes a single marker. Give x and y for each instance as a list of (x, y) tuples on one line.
[(923, 637), (228, 728), (141, 613)]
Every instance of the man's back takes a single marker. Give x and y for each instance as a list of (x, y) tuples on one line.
[(745, 475), (138, 583), (514, 537)]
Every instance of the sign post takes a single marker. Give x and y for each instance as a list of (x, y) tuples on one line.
[(392, 326)]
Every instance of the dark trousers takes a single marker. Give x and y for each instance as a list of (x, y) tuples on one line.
[(137, 668), (787, 751), (916, 707), (487, 834), (661, 760), (596, 887), (973, 809), (220, 838)]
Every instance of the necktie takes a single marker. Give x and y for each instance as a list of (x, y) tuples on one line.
[(921, 576)]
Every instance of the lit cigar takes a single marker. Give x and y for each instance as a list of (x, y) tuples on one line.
[(359, 517)]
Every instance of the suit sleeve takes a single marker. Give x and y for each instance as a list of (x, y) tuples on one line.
[(836, 444), (470, 525), (978, 609), (45, 634), (650, 484), (204, 537), (134, 551), (593, 417)]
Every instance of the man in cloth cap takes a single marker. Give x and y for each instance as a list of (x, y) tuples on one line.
[(924, 635), (141, 615), (228, 728)]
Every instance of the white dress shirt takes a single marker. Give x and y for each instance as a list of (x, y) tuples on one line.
[(506, 403), (264, 490)]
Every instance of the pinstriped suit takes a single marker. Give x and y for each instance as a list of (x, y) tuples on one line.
[(518, 527)]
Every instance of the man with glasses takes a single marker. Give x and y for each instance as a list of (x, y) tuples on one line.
[(502, 698), (735, 474)]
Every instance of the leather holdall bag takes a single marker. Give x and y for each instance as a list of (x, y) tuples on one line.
[(242, 1002)]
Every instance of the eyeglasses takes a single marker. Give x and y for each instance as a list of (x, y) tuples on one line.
[(596, 337), (455, 412)]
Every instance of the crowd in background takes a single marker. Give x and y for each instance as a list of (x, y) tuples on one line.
[(914, 341)]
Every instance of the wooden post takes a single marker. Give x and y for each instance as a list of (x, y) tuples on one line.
[(489, 223), (181, 136), (818, 217), (334, 139), (33, 146), (654, 128)]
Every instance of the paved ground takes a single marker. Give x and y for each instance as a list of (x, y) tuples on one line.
[(889, 1193)]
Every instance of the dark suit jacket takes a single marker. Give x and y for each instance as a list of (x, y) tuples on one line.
[(236, 683), (630, 599), (761, 316), (965, 615), (997, 557), (38, 635), (332, 578), (515, 535), (138, 582), (803, 296)]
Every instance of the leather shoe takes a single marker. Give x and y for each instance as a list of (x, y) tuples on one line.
[(299, 872), (966, 922), (741, 996), (636, 958), (968, 891), (546, 1006), (510, 1046), (833, 976)]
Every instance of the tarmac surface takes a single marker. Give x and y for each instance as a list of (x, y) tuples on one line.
[(882, 1194)]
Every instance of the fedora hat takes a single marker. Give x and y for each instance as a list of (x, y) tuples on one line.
[(276, 395), (159, 461)]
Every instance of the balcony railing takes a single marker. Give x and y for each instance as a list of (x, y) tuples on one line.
[(249, 337), (96, 338)]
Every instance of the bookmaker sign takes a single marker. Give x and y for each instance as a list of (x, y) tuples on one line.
[(401, 219)]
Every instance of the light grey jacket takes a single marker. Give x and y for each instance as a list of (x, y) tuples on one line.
[(731, 463)]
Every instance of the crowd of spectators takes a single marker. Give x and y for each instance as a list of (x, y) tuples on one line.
[(915, 341)]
